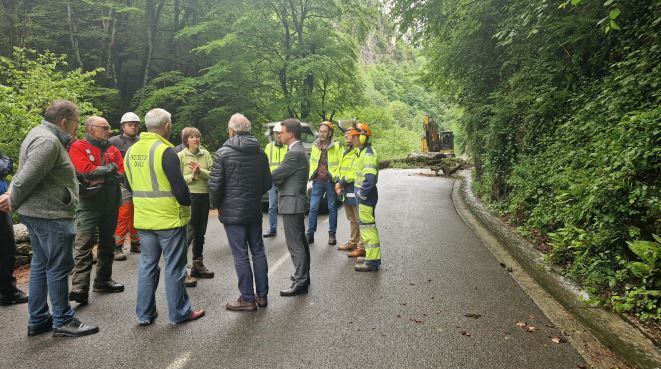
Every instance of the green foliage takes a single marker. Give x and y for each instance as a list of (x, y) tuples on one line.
[(29, 81), (561, 108)]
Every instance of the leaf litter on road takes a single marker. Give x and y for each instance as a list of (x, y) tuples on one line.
[(472, 315)]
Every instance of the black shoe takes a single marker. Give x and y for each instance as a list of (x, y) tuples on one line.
[(310, 238), (108, 286), (79, 296), (294, 290), (291, 278), (144, 323), (135, 247), (44, 327), (75, 328), (16, 297), (331, 239), (270, 234)]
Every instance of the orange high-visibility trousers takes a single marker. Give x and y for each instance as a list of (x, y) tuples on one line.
[(125, 225)]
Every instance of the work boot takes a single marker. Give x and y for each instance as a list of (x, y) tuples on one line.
[(241, 305), (347, 247), (15, 297), (365, 268), (332, 241), (135, 247), (79, 296), (119, 253), (359, 251), (198, 270), (310, 238), (190, 281)]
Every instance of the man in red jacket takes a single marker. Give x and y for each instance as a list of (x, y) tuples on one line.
[(99, 168)]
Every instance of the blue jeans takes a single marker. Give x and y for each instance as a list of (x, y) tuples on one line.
[(52, 260), (318, 190), (273, 209), (172, 244), (242, 237)]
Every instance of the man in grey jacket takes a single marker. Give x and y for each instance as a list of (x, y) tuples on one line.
[(44, 193), (291, 179)]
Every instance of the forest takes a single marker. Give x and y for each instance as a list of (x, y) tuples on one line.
[(556, 103)]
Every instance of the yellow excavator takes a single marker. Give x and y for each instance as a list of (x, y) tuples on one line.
[(436, 141)]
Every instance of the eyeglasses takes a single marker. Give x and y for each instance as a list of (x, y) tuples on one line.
[(107, 128)]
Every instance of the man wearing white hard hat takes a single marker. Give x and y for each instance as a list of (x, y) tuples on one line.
[(275, 151), (129, 125)]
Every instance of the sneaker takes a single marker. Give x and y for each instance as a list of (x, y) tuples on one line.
[(190, 281), (75, 328), (365, 268), (241, 305), (198, 270), (17, 297), (270, 234), (332, 241), (119, 253)]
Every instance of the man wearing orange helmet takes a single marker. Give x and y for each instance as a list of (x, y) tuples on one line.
[(324, 163), (367, 174)]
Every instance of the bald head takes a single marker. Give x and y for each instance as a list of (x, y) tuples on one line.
[(98, 128)]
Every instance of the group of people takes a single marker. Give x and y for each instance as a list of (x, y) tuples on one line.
[(73, 194)]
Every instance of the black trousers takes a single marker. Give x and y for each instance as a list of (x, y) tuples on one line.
[(197, 226), (7, 255)]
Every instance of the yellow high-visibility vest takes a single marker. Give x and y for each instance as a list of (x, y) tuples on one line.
[(155, 207), (275, 154), (367, 163), (334, 154), (346, 171)]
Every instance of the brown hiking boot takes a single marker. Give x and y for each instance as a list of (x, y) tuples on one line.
[(190, 281), (347, 247), (240, 305), (359, 251), (198, 270)]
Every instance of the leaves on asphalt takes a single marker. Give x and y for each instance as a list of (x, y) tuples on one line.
[(521, 324), (530, 328), (417, 321), (472, 315), (557, 339)]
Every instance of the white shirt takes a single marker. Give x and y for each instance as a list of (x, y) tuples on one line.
[(293, 143)]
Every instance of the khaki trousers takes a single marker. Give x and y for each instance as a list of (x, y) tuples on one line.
[(352, 216)]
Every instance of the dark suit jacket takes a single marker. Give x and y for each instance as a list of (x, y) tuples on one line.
[(291, 178)]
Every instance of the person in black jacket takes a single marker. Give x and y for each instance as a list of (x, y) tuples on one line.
[(9, 294), (239, 177)]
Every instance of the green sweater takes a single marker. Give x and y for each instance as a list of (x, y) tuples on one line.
[(198, 183)]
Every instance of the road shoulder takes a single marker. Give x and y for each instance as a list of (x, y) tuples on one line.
[(591, 330)]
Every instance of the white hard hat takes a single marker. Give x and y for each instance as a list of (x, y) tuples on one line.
[(277, 127), (129, 117)]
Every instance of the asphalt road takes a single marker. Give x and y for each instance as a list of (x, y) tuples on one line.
[(411, 314)]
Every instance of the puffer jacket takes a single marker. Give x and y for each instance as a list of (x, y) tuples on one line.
[(239, 177)]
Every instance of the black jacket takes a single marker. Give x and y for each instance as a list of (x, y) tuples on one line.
[(239, 177)]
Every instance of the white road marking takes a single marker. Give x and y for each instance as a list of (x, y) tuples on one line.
[(279, 263), (180, 361)]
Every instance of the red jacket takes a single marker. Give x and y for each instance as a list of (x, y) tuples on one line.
[(87, 157)]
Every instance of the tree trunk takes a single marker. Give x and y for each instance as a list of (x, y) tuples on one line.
[(73, 30), (153, 15)]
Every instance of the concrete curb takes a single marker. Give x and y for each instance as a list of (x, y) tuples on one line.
[(609, 328)]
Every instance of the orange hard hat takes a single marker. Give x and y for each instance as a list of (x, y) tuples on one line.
[(328, 124), (364, 129), (352, 131)]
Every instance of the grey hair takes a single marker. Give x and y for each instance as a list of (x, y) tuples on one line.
[(157, 119), (239, 123)]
